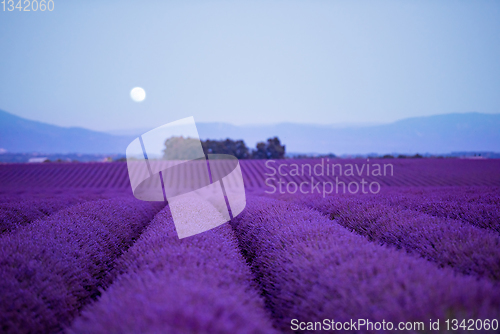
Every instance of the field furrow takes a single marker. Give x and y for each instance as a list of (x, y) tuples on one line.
[(54, 266), (311, 268), (199, 284), (447, 242)]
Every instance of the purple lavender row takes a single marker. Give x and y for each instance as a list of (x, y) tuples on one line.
[(311, 268), (68, 175), (52, 267), (479, 206), (447, 242), (24, 210), (424, 172), (196, 285)]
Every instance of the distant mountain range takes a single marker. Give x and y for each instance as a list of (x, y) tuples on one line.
[(19, 135), (432, 134)]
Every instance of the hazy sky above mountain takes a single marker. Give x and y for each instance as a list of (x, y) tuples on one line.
[(249, 61)]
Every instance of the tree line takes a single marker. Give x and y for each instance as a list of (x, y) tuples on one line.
[(182, 148), (271, 149)]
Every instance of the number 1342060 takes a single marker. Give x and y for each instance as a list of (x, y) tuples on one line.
[(27, 5)]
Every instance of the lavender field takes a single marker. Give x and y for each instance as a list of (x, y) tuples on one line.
[(79, 254)]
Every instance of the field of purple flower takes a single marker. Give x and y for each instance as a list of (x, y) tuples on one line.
[(79, 254)]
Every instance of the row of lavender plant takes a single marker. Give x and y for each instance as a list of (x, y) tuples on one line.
[(447, 242), (165, 285), (479, 206), (22, 210), (311, 268), (52, 267)]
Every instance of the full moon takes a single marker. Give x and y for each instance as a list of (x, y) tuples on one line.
[(138, 94)]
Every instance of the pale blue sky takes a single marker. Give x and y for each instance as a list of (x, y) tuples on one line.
[(249, 61)]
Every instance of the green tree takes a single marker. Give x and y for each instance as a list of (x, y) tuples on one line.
[(180, 148), (270, 150), (237, 148)]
